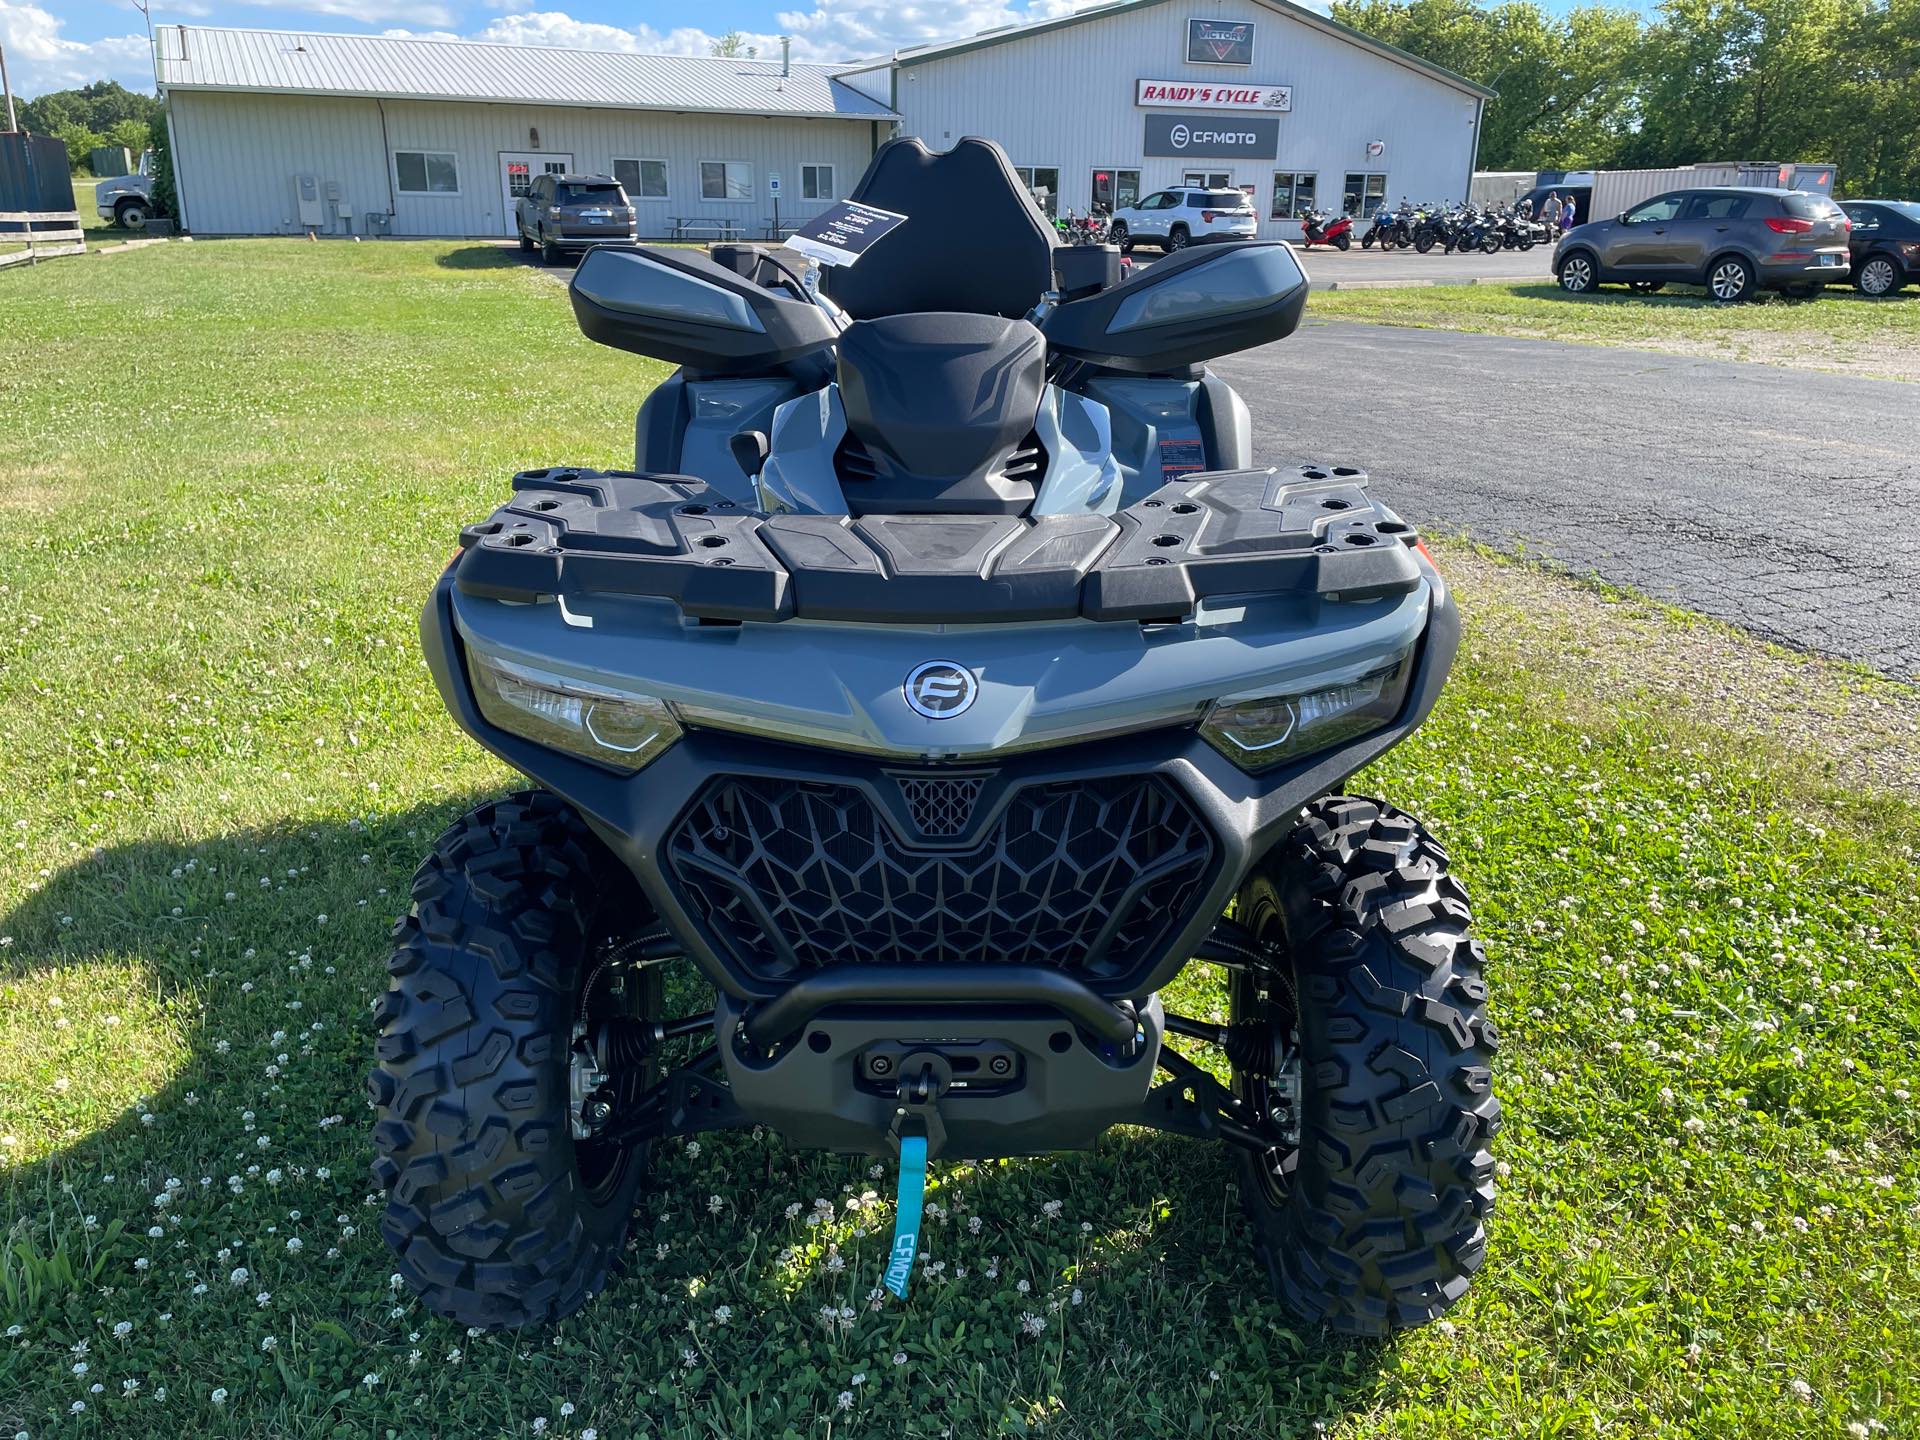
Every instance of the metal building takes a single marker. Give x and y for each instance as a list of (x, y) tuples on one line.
[(1118, 101), (283, 132), (280, 133)]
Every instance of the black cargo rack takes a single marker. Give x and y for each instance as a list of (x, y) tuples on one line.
[(1309, 530)]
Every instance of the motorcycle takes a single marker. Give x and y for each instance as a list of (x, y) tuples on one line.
[(1321, 230)]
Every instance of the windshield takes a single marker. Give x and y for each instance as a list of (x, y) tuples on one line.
[(588, 195), (1222, 200)]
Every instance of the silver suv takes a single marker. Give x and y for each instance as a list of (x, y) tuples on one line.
[(1732, 239), (561, 213), (1174, 219)]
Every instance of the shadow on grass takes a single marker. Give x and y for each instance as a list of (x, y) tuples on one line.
[(1679, 295), (227, 938), (479, 257)]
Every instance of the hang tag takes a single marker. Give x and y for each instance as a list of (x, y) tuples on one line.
[(906, 1214)]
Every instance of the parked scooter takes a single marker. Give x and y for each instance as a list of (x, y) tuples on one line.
[(1322, 230)]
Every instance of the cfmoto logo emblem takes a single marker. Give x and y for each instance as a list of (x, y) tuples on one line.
[(1180, 135), (940, 689)]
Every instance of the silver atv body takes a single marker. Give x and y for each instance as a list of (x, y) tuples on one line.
[(942, 674)]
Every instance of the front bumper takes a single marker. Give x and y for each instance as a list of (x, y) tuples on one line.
[(640, 815)]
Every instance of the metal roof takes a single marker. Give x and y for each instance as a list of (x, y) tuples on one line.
[(291, 62), (1001, 34)]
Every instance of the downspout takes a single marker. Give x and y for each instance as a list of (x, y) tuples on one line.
[(1473, 160), (386, 155)]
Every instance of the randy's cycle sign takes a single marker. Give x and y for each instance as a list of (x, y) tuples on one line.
[(1219, 42)]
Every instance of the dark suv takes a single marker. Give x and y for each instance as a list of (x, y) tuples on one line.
[(573, 212), (1885, 243), (1732, 239)]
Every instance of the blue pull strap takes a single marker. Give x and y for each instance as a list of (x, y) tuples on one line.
[(906, 1215)]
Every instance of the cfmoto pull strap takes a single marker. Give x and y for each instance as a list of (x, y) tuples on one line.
[(906, 1214)]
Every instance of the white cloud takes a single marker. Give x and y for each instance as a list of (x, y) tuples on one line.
[(834, 30), (368, 12), (40, 58), (556, 27)]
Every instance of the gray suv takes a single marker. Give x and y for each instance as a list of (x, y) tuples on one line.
[(1732, 239), (573, 212)]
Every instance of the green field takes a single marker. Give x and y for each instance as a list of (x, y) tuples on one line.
[(229, 475), (1840, 330)]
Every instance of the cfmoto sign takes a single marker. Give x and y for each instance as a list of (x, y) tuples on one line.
[(1240, 137)]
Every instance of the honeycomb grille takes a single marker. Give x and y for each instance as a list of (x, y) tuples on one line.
[(1094, 876), (941, 806)]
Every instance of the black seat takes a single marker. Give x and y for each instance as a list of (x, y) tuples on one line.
[(973, 241)]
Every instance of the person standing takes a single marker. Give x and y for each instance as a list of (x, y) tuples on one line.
[(1550, 212), (1566, 215)]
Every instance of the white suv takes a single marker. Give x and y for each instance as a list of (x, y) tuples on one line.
[(1173, 219)]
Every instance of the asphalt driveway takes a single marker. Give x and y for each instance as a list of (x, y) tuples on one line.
[(1785, 501)]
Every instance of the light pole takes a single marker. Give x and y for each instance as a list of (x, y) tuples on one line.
[(7, 86)]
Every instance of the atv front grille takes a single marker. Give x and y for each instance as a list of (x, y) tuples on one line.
[(941, 805), (1095, 876)]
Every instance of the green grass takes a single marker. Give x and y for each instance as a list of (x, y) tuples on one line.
[(1839, 330), (220, 758)]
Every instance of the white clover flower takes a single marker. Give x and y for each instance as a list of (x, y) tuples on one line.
[(219, 1396), (1801, 1390), (899, 1357), (1033, 1324), (844, 1400), (268, 1342), (1052, 1209), (239, 1276), (566, 1408), (122, 1329), (370, 1380), (295, 1245), (539, 1424)]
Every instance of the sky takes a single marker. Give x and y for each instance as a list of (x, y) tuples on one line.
[(53, 44)]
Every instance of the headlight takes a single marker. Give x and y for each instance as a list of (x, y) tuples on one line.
[(1257, 732), (617, 728)]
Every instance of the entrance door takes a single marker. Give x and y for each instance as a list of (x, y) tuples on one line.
[(1208, 179), (518, 169)]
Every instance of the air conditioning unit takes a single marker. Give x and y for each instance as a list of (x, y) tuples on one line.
[(379, 223)]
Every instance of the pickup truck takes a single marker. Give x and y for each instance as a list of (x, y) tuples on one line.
[(127, 200)]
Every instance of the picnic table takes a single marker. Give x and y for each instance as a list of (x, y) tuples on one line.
[(780, 229), (687, 227)]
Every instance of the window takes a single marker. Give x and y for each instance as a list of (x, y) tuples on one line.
[(642, 179), (1864, 217), (1220, 200), (1044, 182), (726, 180), (1115, 189), (1364, 194), (1293, 192), (1718, 207), (1655, 211), (426, 172), (1207, 179), (816, 182)]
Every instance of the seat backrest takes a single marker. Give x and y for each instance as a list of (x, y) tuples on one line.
[(973, 241)]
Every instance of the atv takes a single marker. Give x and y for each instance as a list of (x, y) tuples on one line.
[(943, 679)]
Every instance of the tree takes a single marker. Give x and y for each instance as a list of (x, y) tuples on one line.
[(99, 107), (733, 46), (1566, 83)]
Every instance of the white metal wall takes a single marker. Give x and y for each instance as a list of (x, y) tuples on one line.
[(1066, 98), (237, 155)]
